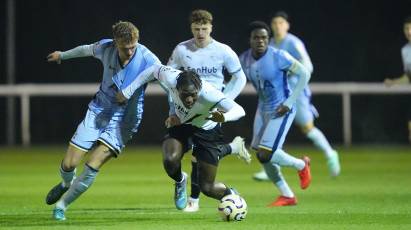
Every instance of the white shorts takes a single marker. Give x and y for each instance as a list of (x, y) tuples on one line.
[(269, 133)]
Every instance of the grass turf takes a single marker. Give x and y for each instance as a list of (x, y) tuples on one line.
[(134, 192)]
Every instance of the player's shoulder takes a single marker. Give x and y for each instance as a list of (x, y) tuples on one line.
[(294, 39), (147, 54), (406, 47), (104, 44), (221, 46), (184, 45)]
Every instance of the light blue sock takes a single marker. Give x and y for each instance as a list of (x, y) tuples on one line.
[(319, 141), (274, 173), (284, 159), (67, 177), (79, 186)]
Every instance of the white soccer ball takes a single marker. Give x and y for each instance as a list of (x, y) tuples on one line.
[(232, 208)]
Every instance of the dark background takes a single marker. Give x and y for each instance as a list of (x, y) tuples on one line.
[(347, 41)]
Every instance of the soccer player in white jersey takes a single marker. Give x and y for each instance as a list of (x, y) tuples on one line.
[(107, 125), (306, 112), (267, 68), (207, 57), (200, 108), (406, 61)]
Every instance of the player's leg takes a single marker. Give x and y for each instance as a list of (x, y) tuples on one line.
[(175, 145), (68, 167), (287, 196), (304, 119), (98, 157), (208, 185), (409, 130), (81, 142), (258, 130), (271, 152), (193, 203)]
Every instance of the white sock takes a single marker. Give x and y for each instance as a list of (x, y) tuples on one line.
[(284, 189), (319, 141), (234, 148), (274, 173), (284, 159), (67, 177)]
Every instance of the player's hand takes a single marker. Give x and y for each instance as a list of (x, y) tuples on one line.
[(54, 57), (388, 82), (120, 98), (171, 121), (281, 110), (216, 116)]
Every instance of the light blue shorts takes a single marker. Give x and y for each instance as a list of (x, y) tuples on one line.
[(114, 131), (269, 133), (306, 112)]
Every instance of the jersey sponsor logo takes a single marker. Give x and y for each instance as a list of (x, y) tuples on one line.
[(204, 70)]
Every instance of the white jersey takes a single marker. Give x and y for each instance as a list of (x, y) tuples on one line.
[(208, 98), (406, 57), (208, 62)]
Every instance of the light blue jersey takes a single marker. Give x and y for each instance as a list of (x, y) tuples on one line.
[(106, 120), (294, 46), (268, 75)]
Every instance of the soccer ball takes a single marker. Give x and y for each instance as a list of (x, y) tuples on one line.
[(232, 208)]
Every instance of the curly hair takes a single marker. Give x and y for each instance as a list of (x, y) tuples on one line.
[(201, 17), (188, 77), (125, 31)]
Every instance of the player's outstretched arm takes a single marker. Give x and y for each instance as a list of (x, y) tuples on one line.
[(143, 78), (79, 51)]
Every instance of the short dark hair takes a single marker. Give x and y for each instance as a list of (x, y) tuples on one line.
[(281, 14), (407, 20), (188, 77), (258, 25), (201, 17)]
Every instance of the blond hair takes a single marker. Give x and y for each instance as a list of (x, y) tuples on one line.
[(125, 31), (201, 17)]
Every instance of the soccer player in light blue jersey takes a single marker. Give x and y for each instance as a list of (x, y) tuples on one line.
[(306, 112), (107, 125), (267, 68), (405, 78)]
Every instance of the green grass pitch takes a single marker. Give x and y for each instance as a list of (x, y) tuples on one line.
[(134, 192)]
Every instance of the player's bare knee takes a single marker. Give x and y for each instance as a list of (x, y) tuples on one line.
[(306, 128), (263, 156)]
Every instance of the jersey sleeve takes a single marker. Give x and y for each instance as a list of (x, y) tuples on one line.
[(143, 78), (231, 61), (301, 55), (285, 60), (174, 61)]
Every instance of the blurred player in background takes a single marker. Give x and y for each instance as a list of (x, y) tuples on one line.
[(306, 112), (207, 57), (194, 102), (108, 125), (406, 61), (267, 68)]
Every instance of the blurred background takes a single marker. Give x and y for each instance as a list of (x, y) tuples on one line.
[(348, 41)]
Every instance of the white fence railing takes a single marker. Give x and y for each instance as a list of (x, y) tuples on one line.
[(26, 91)]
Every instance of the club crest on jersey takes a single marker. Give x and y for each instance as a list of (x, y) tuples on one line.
[(204, 70)]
